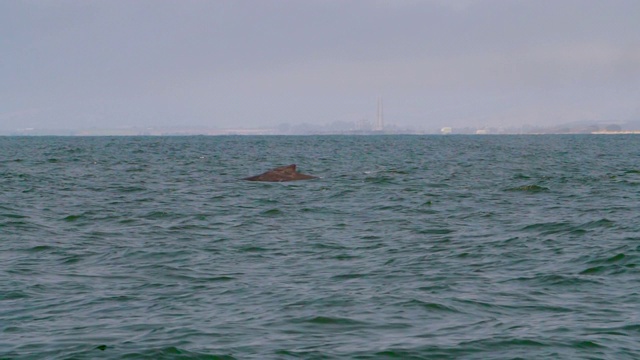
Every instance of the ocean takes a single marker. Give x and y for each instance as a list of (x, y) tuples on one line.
[(405, 247)]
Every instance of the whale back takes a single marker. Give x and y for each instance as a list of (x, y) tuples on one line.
[(279, 174)]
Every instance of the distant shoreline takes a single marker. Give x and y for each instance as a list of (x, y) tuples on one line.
[(117, 134)]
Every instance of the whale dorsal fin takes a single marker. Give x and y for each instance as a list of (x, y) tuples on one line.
[(289, 169)]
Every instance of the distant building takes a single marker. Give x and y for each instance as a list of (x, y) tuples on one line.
[(363, 125)]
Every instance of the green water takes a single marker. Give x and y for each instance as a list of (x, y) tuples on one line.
[(406, 247)]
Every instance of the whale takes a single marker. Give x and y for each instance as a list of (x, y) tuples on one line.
[(280, 174)]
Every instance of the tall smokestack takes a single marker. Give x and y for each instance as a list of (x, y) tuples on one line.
[(380, 117)]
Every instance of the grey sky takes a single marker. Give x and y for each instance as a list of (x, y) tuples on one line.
[(111, 63)]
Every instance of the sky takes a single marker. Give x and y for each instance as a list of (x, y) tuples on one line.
[(68, 64)]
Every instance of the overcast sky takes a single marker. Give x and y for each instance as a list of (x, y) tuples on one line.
[(259, 63)]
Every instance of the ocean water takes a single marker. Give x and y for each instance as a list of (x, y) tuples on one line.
[(406, 247)]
